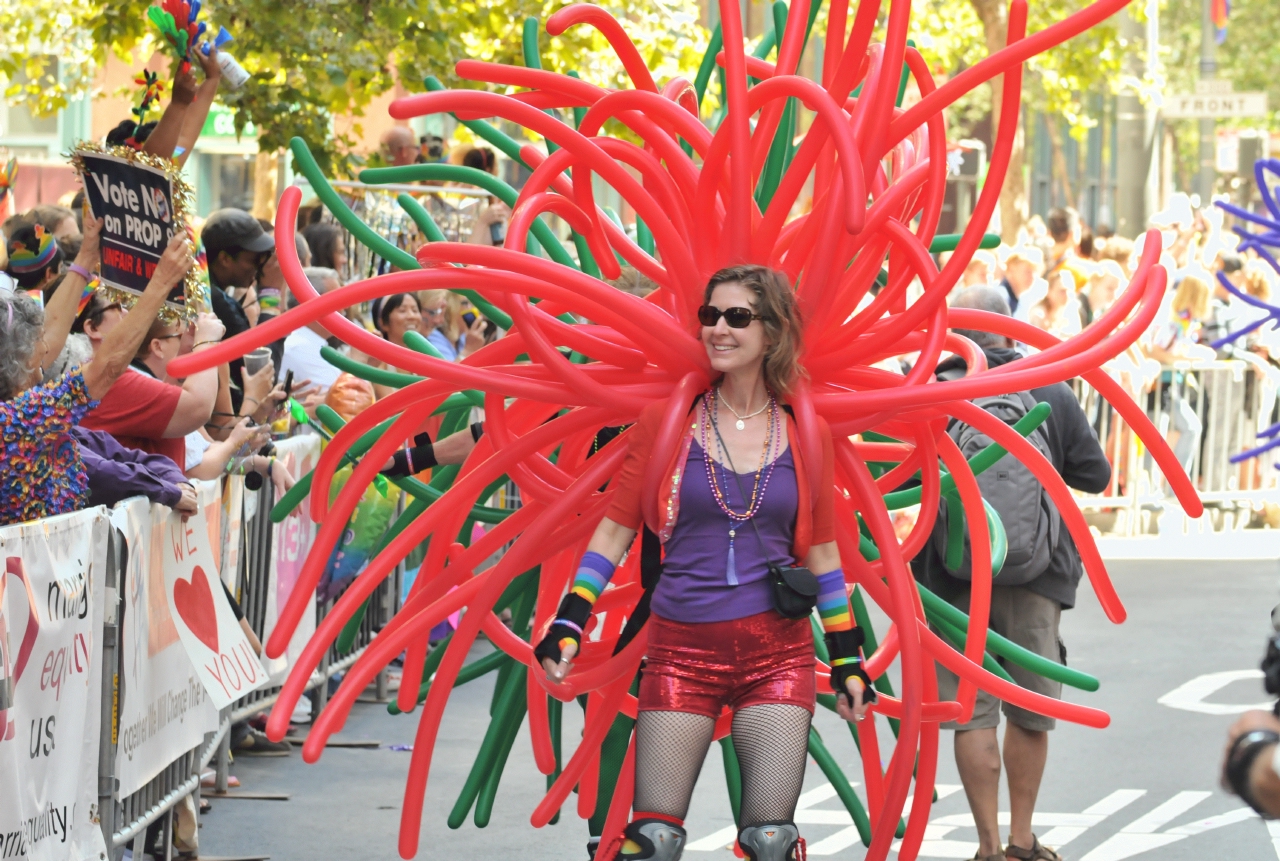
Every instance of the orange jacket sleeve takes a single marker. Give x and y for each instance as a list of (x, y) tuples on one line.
[(625, 507), (824, 521)]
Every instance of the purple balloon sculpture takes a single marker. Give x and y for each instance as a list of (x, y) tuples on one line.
[(1261, 242)]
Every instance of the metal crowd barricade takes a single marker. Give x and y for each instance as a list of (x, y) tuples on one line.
[(454, 210), (126, 820), (1220, 406), (253, 580)]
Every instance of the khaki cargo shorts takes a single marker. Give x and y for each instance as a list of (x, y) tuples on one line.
[(1031, 621)]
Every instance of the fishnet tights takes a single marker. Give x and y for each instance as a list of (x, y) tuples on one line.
[(771, 742), (670, 748)]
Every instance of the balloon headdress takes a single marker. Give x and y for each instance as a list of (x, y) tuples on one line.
[(705, 195)]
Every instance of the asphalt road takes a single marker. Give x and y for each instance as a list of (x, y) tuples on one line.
[(1144, 788)]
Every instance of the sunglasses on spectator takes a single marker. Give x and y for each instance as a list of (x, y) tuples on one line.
[(434, 312), (737, 318)]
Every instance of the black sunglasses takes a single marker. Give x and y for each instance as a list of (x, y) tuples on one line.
[(737, 318)]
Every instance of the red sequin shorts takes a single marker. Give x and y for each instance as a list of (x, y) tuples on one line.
[(701, 667)]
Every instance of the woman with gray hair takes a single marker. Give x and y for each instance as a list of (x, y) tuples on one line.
[(41, 472)]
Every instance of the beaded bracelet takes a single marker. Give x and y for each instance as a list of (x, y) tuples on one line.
[(571, 625), (842, 662)]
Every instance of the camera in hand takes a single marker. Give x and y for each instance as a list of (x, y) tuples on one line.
[(1271, 660), (490, 327), (498, 232)]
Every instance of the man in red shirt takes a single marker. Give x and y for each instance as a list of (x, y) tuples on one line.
[(142, 411)]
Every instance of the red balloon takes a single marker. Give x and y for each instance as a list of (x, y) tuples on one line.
[(878, 174)]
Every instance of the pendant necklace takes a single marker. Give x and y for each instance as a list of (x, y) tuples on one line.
[(741, 423), (720, 483)]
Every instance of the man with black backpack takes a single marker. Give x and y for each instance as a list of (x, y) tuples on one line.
[(1037, 581)]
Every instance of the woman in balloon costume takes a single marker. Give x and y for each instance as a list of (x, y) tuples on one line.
[(698, 370), (729, 620)]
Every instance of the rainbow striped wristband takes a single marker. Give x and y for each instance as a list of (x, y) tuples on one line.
[(833, 602), (594, 573)]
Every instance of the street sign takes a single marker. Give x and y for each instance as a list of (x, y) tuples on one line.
[(221, 123), (1218, 107)]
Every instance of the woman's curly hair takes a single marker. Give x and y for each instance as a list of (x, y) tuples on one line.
[(783, 328), (21, 322)]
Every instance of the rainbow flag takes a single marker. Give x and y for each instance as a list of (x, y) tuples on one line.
[(1220, 12)]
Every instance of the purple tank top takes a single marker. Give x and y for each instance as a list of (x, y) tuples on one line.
[(694, 585)]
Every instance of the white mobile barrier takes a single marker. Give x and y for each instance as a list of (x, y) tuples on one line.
[(105, 724), (1208, 411)]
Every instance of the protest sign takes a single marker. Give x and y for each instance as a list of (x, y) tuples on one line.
[(216, 644), (164, 709), (52, 579), (142, 202)]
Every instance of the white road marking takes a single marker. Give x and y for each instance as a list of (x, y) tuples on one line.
[(1139, 836), (723, 839), (1123, 845), (1231, 817), (1190, 696), (817, 795), (1115, 802), (1273, 828), (1063, 827), (1165, 813), (845, 838), (1061, 835)]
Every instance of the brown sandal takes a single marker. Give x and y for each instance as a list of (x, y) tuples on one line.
[(1037, 852), (998, 856)]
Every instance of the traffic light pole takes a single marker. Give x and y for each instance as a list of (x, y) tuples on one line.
[(1208, 69)]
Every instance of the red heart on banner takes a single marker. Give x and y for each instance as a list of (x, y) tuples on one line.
[(195, 605)]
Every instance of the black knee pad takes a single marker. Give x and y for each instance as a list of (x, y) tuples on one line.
[(658, 840), (771, 841)]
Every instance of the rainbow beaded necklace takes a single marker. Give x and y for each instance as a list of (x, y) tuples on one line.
[(768, 457)]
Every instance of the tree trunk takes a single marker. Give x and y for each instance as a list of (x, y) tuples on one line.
[(1013, 196), (1060, 170)]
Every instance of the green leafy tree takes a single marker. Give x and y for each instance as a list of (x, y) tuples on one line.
[(311, 61), (955, 34)]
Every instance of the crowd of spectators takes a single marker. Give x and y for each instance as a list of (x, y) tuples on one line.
[(1062, 276), (90, 415)]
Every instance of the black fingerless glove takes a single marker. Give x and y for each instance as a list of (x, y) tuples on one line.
[(571, 619), (412, 461), (845, 650)]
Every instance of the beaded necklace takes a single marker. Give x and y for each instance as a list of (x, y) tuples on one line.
[(772, 442)]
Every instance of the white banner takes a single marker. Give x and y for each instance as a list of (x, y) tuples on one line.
[(291, 543), (198, 606), (164, 711), (52, 577)]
